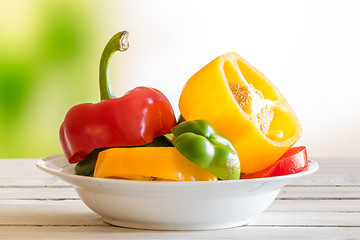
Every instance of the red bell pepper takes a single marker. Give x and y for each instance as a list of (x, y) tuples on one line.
[(131, 120), (293, 161)]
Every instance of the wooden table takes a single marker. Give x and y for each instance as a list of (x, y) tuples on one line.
[(325, 205)]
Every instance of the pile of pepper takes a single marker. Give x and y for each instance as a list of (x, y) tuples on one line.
[(231, 114)]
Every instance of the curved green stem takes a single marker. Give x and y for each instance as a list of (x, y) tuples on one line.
[(119, 42)]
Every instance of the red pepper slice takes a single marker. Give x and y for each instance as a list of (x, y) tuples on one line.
[(131, 120), (293, 161)]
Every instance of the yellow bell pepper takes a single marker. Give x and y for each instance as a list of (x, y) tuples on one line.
[(149, 163), (244, 106)]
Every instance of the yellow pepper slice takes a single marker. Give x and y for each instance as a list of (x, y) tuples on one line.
[(244, 106), (149, 163)]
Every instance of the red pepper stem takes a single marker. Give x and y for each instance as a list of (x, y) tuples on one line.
[(119, 42)]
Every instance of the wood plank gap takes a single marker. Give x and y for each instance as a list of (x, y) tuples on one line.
[(319, 198), (39, 199), (306, 226), (51, 225), (273, 211), (351, 186), (248, 226), (69, 186), (36, 186), (284, 198)]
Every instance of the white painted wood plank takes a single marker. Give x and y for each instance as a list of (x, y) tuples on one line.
[(23, 172), (323, 177), (75, 213), (276, 206), (244, 233), (32, 181), (312, 219), (305, 193), (45, 213), (315, 179), (314, 206), (336, 160), (333, 171), (41, 193), (39, 217), (320, 193)]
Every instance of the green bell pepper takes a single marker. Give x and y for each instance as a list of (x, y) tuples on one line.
[(86, 166), (198, 141)]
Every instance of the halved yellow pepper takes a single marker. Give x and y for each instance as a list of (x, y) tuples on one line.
[(244, 106), (149, 163)]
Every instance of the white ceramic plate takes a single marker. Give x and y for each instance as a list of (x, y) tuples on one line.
[(172, 205)]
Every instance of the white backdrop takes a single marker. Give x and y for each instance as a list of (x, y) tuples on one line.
[(308, 49)]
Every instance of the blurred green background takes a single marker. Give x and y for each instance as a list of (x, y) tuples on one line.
[(48, 63)]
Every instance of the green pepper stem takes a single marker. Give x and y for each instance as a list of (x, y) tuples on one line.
[(119, 42)]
